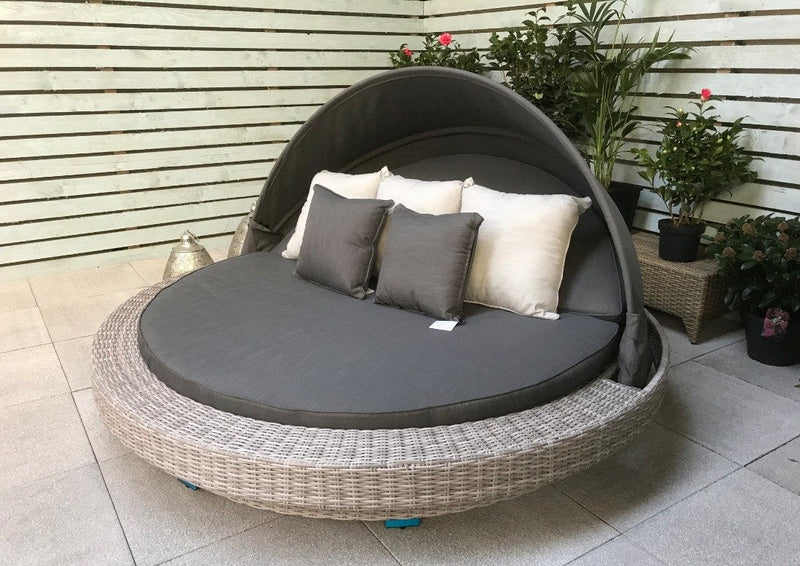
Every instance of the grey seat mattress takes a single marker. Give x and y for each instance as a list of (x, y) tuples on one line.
[(247, 337)]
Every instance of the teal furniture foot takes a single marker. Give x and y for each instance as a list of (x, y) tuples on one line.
[(401, 523), (189, 485)]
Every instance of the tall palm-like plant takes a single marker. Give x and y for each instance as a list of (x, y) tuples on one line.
[(609, 76)]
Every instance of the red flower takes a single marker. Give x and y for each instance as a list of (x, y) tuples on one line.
[(407, 52), (705, 94), (445, 39)]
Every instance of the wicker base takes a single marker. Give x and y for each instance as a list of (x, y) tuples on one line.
[(359, 474)]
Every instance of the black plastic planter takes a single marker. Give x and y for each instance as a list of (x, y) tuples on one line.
[(678, 243), (783, 350), (626, 197)]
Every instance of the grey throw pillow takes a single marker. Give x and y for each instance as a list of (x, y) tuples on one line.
[(427, 262), (338, 248)]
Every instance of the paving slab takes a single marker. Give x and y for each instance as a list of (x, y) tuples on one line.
[(294, 541), (618, 552), (544, 527), (74, 318), (76, 360), (52, 289), (163, 519), (104, 443), (41, 438), (151, 270), (64, 519), (22, 329), (781, 466), (30, 374), (736, 419), (719, 333), (733, 360), (16, 295), (656, 471), (742, 519)]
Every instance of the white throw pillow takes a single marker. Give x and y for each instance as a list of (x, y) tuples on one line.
[(348, 186), (522, 245), (425, 197)]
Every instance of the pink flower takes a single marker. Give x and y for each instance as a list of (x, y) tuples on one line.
[(705, 94), (445, 39), (407, 52), (679, 124)]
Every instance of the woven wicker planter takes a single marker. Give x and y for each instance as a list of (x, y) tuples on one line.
[(360, 474)]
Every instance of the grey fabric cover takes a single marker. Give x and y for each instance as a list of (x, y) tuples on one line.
[(338, 248), (245, 336), (427, 261), (405, 116)]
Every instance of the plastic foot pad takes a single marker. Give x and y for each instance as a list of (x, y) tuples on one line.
[(189, 485), (401, 523)]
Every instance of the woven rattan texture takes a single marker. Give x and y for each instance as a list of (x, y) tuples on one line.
[(358, 474), (693, 291)]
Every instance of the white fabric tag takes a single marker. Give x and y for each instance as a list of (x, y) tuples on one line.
[(447, 325)]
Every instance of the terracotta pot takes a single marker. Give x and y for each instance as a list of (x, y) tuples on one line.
[(782, 350), (679, 243)]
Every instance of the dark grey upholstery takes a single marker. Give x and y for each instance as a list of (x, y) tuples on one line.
[(427, 262), (417, 119), (338, 248), (247, 337)]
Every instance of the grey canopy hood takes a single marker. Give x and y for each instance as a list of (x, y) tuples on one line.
[(407, 118)]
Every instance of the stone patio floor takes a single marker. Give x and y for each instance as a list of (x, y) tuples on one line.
[(715, 480)]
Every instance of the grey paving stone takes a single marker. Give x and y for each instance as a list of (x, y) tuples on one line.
[(163, 519), (544, 527), (64, 519), (52, 289), (742, 519), (40, 439), (81, 317), (734, 418), (733, 360), (76, 360), (717, 334), (22, 329), (294, 540), (30, 374), (151, 270), (617, 552), (657, 470), (781, 466), (104, 443), (16, 295)]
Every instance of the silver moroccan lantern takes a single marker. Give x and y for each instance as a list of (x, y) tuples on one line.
[(187, 256), (241, 231)]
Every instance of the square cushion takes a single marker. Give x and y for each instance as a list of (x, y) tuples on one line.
[(427, 197), (521, 249), (349, 186), (339, 244), (427, 261)]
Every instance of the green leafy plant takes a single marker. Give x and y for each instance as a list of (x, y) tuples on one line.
[(439, 50), (539, 62), (759, 259), (608, 77), (697, 161)]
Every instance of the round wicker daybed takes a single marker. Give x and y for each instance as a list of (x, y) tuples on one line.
[(425, 123)]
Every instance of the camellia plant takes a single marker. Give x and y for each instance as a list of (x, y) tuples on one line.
[(439, 50), (759, 259), (696, 161)]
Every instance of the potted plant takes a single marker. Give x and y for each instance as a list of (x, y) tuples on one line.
[(441, 51), (759, 259), (696, 161), (539, 62), (609, 74)]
